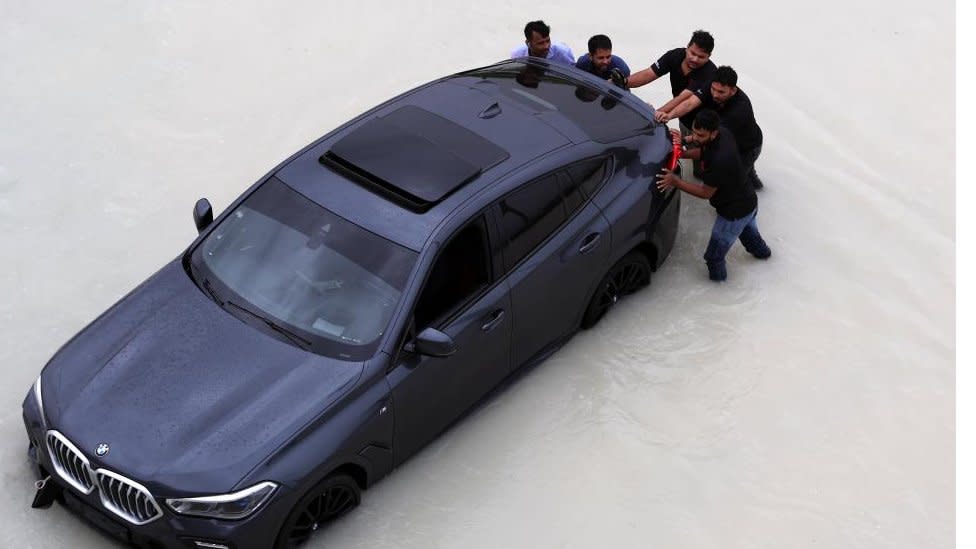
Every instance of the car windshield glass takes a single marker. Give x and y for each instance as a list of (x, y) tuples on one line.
[(306, 270), (600, 115)]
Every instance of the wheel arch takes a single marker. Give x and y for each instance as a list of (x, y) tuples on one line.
[(356, 471), (648, 249)]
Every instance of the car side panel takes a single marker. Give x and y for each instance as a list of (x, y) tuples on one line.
[(551, 287), (429, 393)]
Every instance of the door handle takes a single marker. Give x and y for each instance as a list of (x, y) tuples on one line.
[(589, 242), (493, 320)]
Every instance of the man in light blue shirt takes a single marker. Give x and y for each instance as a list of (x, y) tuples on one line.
[(538, 44)]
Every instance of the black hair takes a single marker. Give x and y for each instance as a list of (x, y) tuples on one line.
[(707, 120), (536, 26), (599, 42), (703, 40), (725, 75)]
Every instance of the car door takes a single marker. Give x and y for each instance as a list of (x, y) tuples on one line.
[(462, 299), (557, 245)]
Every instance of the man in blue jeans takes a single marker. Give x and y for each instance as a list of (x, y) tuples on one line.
[(726, 189)]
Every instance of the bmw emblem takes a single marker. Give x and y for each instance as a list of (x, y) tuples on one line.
[(101, 449)]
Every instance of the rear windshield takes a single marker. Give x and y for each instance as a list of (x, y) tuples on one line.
[(600, 115)]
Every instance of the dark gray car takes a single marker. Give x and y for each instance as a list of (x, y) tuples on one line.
[(351, 305)]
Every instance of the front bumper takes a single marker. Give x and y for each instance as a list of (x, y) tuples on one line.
[(171, 530)]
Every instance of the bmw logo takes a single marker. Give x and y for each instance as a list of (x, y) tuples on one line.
[(101, 449)]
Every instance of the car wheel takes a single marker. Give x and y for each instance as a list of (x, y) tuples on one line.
[(329, 500), (628, 275)]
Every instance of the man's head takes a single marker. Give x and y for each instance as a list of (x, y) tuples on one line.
[(699, 49), (705, 128), (601, 50), (537, 38), (724, 84)]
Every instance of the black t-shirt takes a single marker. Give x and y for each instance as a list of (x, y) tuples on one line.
[(737, 116), (697, 81), (722, 169)]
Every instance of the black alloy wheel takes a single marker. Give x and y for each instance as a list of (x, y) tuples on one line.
[(329, 500), (628, 275)]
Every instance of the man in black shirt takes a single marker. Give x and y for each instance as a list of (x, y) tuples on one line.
[(726, 189), (735, 109), (690, 69)]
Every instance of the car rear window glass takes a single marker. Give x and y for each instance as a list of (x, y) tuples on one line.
[(603, 117)]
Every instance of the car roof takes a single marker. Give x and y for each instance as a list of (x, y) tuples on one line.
[(401, 168)]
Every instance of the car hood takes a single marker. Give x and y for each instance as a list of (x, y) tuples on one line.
[(188, 397)]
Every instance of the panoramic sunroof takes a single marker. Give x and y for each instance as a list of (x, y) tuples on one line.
[(414, 155)]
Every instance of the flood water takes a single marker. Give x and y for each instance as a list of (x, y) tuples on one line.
[(809, 401)]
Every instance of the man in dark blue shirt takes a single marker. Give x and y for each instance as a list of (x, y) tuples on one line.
[(735, 109), (726, 190), (691, 71), (600, 60)]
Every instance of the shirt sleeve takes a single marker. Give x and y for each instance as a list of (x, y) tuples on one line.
[(620, 64), (520, 51), (583, 63), (665, 64)]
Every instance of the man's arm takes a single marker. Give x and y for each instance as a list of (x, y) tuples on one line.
[(641, 78), (667, 180), (690, 103), (678, 99)]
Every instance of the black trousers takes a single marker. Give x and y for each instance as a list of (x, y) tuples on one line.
[(749, 166)]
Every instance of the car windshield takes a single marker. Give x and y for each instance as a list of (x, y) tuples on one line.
[(304, 270)]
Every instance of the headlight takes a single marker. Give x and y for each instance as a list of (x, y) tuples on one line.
[(39, 399), (225, 506)]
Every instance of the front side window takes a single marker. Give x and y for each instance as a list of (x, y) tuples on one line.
[(530, 215), (462, 269), (293, 263)]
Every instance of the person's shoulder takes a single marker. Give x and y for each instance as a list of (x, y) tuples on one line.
[(739, 103), (520, 51), (742, 97), (668, 61), (562, 47), (583, 62)]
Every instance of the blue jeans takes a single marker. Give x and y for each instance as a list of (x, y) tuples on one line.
[(724, 233)]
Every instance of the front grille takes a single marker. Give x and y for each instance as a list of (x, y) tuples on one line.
[(70, 464), (126, 498)]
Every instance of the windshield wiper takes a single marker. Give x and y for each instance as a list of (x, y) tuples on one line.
[(211, 292), (292, 336)]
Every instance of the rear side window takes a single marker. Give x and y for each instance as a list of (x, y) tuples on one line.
[(589, 174), (530, 215)]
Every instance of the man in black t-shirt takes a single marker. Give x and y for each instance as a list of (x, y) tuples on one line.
[(735, 109), (690, 69), (725, 189)]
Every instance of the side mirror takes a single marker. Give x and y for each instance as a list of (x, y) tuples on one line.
[(202, 214), (433, 342)]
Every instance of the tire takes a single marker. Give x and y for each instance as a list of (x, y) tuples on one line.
[(628, 275), (328, 500)]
